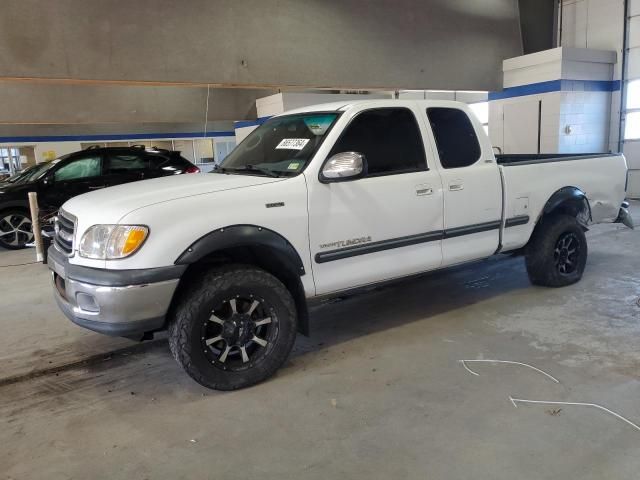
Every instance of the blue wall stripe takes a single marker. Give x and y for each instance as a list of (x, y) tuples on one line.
[(557, 86), (119, 136), (251, 123)]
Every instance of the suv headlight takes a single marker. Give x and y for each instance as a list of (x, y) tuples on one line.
[(110, 242)]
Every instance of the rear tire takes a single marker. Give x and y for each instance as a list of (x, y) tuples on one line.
[(15, 229), (233, 328), (557, 252)]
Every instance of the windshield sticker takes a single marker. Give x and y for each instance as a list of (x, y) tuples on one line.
[(319, 124), (292, 144), (293, 166)]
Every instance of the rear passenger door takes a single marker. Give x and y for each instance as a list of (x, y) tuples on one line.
[(471, 185), (124, 167), (386, 224)]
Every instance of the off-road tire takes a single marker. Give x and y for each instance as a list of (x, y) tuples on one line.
[(195, 305), (541, 253)]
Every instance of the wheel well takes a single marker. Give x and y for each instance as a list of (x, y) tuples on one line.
[(15, 208), (568, 201), (269, 259)]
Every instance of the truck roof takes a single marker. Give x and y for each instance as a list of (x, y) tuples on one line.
[(342, 106)]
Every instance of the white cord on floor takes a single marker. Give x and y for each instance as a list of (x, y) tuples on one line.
[(514, 401), (464, 364)]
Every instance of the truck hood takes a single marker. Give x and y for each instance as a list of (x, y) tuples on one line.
[(111, 204)]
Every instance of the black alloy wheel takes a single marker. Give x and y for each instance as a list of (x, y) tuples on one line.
[(239, 332), (15, 230), (566, 253)]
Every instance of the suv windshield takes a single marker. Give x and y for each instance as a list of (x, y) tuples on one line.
[(32, 173), (281, 146)]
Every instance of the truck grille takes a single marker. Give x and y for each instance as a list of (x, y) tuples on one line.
[(65, 231)]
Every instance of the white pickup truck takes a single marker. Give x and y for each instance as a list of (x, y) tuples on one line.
[(314, 202)]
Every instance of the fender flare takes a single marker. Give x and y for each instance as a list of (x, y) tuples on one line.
[(235, 236), (14, 204), (571, 199), (242, 236)]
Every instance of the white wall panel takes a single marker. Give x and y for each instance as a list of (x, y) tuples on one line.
[(633, 63), (269, 106), (48, 150), (521, 127), (633, 188), (632, 152), (634, 32)]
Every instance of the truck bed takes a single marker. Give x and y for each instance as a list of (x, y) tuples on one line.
[(530, 180), (530, 158)]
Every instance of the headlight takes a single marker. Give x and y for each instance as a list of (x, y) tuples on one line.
[(110, 242)]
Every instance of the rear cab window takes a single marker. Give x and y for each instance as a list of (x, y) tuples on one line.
[(455, 137)]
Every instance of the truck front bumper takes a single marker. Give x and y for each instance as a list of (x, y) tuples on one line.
[(125, 303)]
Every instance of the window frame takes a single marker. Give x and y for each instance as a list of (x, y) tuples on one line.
[(627, 111), (435, 141), (383, 174)]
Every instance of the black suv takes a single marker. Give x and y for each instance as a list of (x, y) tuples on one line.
[(59, 180)]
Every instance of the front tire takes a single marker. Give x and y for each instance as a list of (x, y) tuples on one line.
[(557, 252), (233, 328), (15, 229)]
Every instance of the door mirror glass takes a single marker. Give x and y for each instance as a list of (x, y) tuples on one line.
[(344, 166)]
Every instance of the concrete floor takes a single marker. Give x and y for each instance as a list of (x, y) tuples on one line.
[(376, 392)]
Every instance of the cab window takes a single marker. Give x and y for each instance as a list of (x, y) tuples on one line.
[(455, 137), (389, 138)]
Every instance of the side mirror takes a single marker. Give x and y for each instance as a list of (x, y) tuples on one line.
[(344, 166)]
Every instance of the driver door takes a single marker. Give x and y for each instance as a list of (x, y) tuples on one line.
[(75, 177), (386, 224)]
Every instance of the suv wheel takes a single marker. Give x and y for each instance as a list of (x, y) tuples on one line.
[(233, 328), (557, 252), (15, 229)]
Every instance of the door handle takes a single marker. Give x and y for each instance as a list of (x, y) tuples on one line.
[(456, 186), (422, 190), (96, 188)]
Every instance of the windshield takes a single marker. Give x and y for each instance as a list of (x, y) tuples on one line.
[(32, 173), (282, 146)]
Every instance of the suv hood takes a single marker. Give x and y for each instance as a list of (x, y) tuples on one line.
[(14, 189), (111, 204)]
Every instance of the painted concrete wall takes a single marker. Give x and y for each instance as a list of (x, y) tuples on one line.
[(104, 130), (446, 44), (36, 103), (537, 24)]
